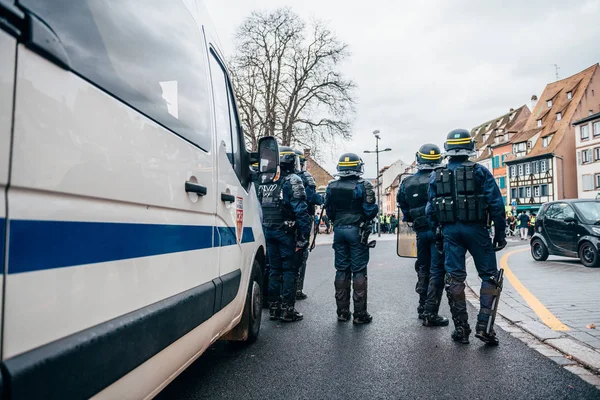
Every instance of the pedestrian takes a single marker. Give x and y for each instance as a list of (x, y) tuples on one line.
[(388, 226), (412, 200), (286, 224), (393, 223), (313, 199), (382, 223), (523, 225), (462, 196), (531, 225), (350, 205)]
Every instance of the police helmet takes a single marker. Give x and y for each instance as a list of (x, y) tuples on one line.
[(350, 164), (302, 159), (288, 159), (459, 143), (429, 156)]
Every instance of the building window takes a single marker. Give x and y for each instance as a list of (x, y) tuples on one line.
[(588, 182), (513, 171), (529, 144), (544, 190), (543, 166), (527, 168), (586, 156), (596, 128), (569, 95), (502, 182), (536, 191), (539, 122), (558, 116), (597, 179), (513, 193), (519, 147), (528, 191), (521, 192), (546, 140), (585, 132), (535, 167), (597, 154), (549, 103), (520, 169)]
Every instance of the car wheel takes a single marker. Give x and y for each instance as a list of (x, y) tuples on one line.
[(539, 251), (246, 332), (589, 255)]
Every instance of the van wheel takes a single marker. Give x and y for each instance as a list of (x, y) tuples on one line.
[(249, 327), (539, 251), (589, 255)]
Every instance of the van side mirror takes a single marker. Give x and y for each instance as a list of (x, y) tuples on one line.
[(571, 220), (268, 159)]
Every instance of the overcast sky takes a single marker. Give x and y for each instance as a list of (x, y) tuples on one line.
[(425, 68)]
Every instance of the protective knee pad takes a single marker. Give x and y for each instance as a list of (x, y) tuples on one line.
[(455, 290), (359, 294), (342, 293), (487, 294)]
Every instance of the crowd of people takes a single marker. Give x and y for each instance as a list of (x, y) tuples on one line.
[(523, 224)]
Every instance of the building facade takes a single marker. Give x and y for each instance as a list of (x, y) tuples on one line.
[(587, 145), (543, 162), (387, 176), (322, 177)]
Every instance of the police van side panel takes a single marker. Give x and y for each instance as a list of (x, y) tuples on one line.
[(116, 263)]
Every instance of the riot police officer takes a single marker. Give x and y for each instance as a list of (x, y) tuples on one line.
[(412, 200), (314, 199), (286, 225), (350, 205), (462, 196)]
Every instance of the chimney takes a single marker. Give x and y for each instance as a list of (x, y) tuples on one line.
[(511, 110), (534, 101)]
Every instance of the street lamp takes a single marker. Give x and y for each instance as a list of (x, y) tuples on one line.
[(377, 151)]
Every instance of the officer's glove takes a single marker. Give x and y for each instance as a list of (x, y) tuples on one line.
[(499, 242), (439, 240), (301, 243)]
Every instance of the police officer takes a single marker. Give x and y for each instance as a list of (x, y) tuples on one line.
[(350, 205), (314, 199), (286, 225), (412, 200), (462, 196)]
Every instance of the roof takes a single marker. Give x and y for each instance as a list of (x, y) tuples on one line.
[(587, 119), (498, 127), (557, 92)]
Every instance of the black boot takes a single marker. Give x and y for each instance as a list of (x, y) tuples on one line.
[(420, 311), (362, 317), (480, 334), (433, 319), (461, 333), (290, 314), (300, 295), (344, 315), (274, 310)]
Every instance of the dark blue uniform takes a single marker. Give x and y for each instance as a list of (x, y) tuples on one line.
[(285, 221), (313, 199), (412, 200), (463, 217), (350, 202)]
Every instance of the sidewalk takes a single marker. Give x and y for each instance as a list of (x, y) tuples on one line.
[(563, 292)]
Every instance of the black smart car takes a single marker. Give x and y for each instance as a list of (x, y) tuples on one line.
[(569, 228)]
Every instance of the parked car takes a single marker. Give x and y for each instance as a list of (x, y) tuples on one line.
[(569, 228)]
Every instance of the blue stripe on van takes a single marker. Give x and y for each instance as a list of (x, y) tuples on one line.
[(40, 245), (247, 235), (2, 239)]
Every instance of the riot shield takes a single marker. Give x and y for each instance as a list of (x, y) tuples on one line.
[(406, 241)]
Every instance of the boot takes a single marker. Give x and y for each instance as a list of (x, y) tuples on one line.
[(461, 333), (290, 314), (300, 295), (480, 334), (274, 310), (420, 311), (433, 319), (344, 315), (362, 317)]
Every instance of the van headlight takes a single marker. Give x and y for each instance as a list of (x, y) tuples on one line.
[(596, 230)]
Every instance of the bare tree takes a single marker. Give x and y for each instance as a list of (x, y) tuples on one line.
[(286, 80)]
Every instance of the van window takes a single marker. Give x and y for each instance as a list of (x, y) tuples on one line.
[(147, 54), (227, 125)]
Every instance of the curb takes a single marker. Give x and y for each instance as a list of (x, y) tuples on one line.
[(558, 346)]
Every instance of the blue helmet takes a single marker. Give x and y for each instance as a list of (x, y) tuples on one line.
[(459, 143), (350, 164), (429, 156), (288, 159)]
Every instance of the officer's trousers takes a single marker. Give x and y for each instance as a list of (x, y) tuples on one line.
[(351, 259), (430, 272), (283, 273), (458, 239)]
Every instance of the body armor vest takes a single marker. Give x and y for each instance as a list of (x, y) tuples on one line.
[(275, 211), (308, 184), (348, 209), (416, 197), (459, 197)]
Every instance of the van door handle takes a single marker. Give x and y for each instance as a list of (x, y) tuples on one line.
[(195, 188), (227, 198)]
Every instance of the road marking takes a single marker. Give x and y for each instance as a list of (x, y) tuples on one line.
[(542, 312)]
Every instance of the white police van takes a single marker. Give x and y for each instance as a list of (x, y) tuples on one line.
[(129, 228)]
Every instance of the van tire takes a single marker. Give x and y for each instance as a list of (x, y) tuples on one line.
[(588, 254), (539, 251), (246, 332)]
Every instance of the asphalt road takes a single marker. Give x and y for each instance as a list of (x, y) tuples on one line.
[(392, 358)]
